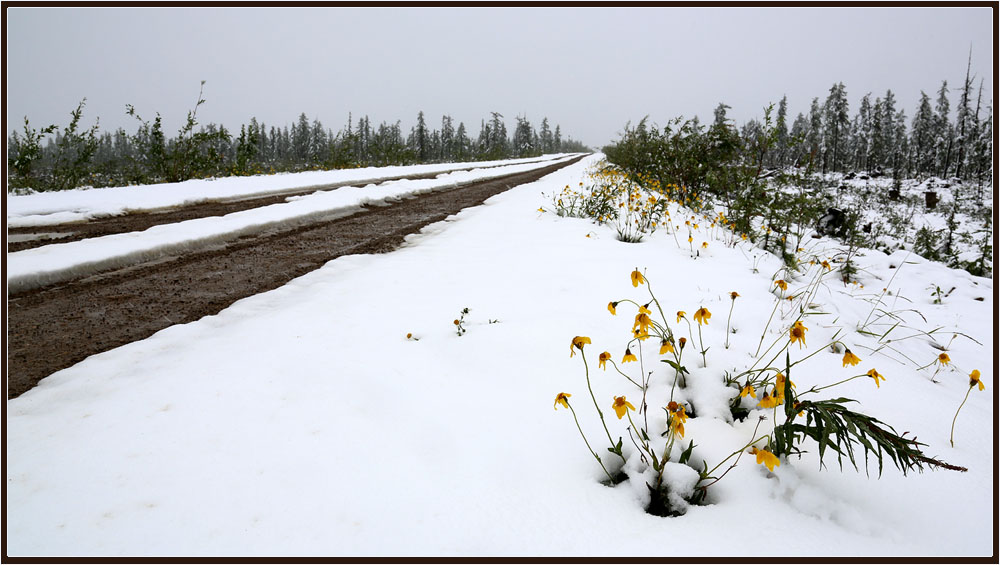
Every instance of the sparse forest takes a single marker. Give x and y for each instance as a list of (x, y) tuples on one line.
[(54, 158)]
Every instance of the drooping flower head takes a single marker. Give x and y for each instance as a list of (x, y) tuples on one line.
[(766, 458), (779, 386), (974, 380), (944, 359), (702, 316), (734, 295), (637, 278), (629, 356), (875, 375), (622, 406), (704, 245), (611, 307), (827, 265), (561, 398), (682, 341), (748, 390), (666, 347), (642, 322), (680, 315), (798, 333), (677, 418), (850, 358), (768, 401), (644, 309), (781, 284), (602, 359), (578, 342)]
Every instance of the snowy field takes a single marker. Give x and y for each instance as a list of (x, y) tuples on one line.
[(304, 422)]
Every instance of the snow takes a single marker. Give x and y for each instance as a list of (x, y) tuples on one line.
[(60, 262), (303, 422)]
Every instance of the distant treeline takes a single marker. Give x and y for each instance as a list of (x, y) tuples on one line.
[(879, 137), (54, 159)]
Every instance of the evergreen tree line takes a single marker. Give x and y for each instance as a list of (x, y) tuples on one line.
[(880, 136), (52, 159)]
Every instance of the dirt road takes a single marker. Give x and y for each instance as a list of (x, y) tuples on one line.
[(56, 327)]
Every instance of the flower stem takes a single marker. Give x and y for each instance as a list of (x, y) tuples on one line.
[(592, 397), (729, 319), (592, 452), (953, 420)]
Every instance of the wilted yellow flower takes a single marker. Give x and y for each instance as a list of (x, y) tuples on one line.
[(748, 391), (875, 375), (622, 406), (561, 398), (734, 295), (781, 284), (779, 386), (768, 401), (766, 458), (629, 356), (798, 334), (944, 359), (680, 314), (611, 307), (682, 341), (827, 265), (578, 342), (702, 316), (602, 359), (409, 336), (642, 322), (643, 309), (974, 379), (677, 418), (850, 358), (637, 278), (666, 347)]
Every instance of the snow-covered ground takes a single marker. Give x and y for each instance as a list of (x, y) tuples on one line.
[(59, 262), (302, 421)]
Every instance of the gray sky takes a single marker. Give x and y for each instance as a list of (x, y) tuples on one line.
[(590, 70)]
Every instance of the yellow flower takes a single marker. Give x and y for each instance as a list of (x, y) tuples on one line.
[(645, 310), (677, 418), (622, 406), (642, 322), (974, 380), (578, 342), (702, 316), (680, 314), (748, 391), (944, 359), (875, 375), (765, 457), (561, 398), (768, 401), (611, 308), (850, 358), (602, 359), (781, 284), (541, 209), (779, 386), (682, 341), (409, 336), (629, 356), (666, 347), (637, 278), (690, 239), (798, 333), (704, 245), (734, 295), (827, 265)]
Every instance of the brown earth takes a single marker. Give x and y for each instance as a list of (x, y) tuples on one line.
[(52, 328), (141, 220)]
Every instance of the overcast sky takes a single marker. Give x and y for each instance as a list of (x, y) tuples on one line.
[(590, 70)]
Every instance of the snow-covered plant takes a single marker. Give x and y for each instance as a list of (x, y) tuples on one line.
[(459, 327)]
